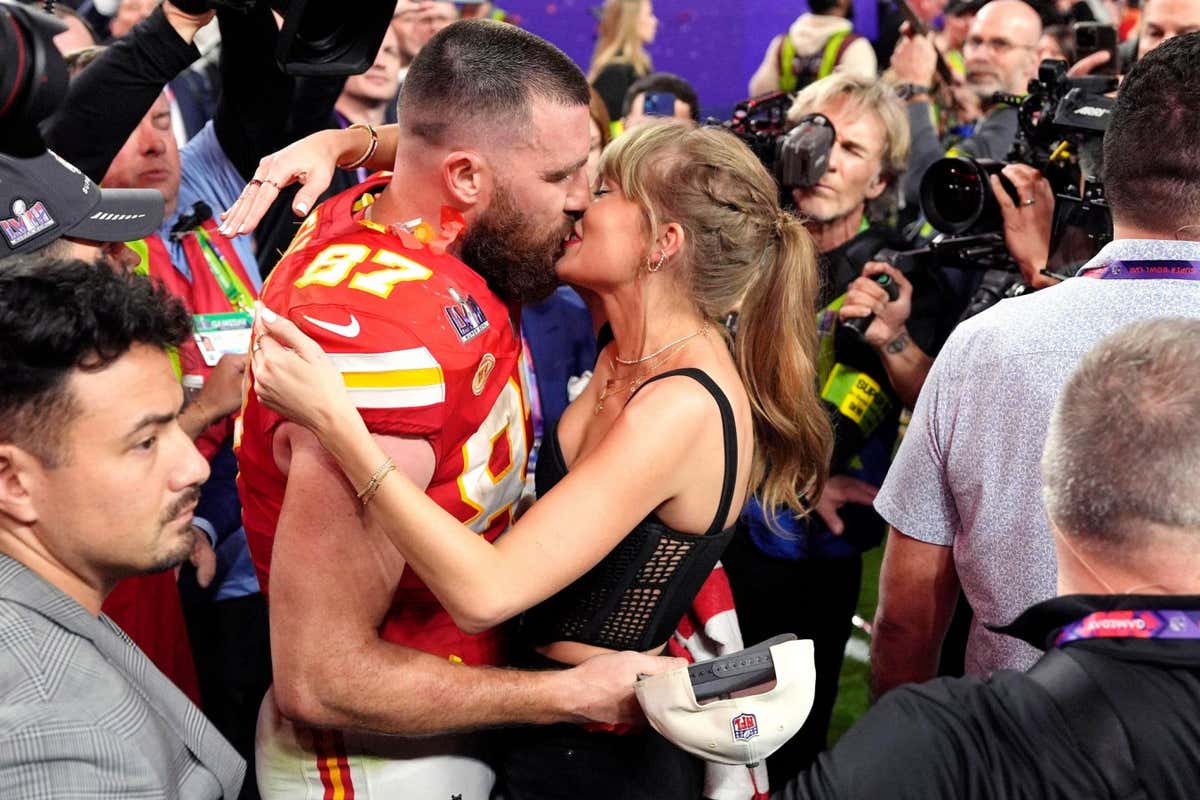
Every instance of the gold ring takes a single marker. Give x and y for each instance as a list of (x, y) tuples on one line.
[(1029, 202)]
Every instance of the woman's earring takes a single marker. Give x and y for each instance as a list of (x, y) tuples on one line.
[(662, 259)]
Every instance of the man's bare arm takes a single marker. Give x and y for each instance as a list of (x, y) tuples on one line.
[(332, 582), (918, 589)]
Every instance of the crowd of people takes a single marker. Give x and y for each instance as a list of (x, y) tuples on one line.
[(373, 436)]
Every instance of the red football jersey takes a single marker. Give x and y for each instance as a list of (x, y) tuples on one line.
[(425, 349)]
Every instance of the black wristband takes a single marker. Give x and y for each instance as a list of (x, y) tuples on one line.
[(909, 91)]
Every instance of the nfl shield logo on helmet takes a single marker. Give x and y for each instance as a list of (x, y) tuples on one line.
[(745, 727)]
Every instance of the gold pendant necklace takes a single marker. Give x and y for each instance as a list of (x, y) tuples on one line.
[(612, 385)]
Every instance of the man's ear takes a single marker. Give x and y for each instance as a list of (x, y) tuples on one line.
[(468, 177), (877, 185), (17, 467)]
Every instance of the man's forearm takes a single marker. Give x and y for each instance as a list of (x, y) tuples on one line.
[(907, 366), (903, 654), (251, 117), (399, 690), (918, 590)]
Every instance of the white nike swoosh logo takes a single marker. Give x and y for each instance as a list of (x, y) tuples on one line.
[(349, 330)]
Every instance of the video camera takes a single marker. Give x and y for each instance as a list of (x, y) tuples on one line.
[(1061, 128), (796, 157)]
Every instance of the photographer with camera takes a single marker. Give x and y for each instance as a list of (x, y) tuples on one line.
[(816, 564), (963, 497), (1000, 55)]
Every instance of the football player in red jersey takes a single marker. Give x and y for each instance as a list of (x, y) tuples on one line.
[(493, 135), (685, 224)]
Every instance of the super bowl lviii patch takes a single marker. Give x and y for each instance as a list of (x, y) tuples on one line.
[(466, 316), (26, 222)]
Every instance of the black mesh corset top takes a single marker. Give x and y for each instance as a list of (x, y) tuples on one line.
[(634, 598)]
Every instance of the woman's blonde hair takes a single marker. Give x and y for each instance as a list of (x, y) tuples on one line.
[(618, 40), (741, 249)]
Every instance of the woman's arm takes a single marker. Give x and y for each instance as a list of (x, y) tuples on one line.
[(311, 162), (639, 465)]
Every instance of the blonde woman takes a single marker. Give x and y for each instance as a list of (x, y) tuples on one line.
[(643, 481), (620, 58)]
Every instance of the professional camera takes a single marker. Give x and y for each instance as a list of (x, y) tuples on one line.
[(1061, 129), (797, 157), (33, 77), (1062, 123)]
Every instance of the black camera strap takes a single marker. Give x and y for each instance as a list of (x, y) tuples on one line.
[(1094, 722)]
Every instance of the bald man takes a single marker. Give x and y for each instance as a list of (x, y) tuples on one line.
[(1000, 56)]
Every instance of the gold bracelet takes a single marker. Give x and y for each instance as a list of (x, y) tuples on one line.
[(371, 146), (372, 486)]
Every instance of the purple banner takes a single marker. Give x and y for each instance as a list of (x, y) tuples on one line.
[(714, 44)]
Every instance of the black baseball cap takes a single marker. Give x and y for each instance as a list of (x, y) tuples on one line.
[(44, 198)]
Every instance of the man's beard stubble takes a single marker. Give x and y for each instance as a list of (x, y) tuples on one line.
[(516, 262), (179, 551)]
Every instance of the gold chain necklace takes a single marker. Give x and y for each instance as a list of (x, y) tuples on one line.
[(662, 349), (612, 385)]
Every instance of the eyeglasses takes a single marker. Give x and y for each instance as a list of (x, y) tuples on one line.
[(998, 46)]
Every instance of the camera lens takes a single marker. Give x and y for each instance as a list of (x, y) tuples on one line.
[(956, 196)]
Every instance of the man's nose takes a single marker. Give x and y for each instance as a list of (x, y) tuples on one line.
[(151, 139), (579, 193)]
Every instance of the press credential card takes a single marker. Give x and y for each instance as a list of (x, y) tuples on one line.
[(218, 334)]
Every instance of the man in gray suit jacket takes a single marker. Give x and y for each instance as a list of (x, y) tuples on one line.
[(97, 482)]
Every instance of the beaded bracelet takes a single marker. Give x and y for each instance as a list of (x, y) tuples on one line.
[(372, 486)]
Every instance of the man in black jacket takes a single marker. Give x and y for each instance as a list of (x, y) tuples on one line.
[(1119, 685)]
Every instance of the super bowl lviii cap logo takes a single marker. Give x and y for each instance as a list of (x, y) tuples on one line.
[(745, 727), (26, 222)]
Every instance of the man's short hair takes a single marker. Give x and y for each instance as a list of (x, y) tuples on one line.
[(1123, 448), (59, 315), (870, 95), (1151, 162), (481, 75), (662, 82)]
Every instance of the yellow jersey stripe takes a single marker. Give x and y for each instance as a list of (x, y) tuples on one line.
[(431, 376)]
